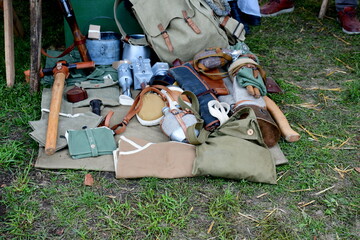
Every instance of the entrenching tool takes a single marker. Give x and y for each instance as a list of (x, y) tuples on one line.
[(49, 71), (79, 38), (60, 72)]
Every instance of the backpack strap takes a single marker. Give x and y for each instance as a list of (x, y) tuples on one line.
[(190, 22), (166, 37), (125, 36)]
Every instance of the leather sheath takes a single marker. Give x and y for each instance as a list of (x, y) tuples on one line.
[(217, 84), (272, 86), (76, 94)]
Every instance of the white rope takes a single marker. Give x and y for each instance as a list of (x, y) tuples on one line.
[(219, 110), (64, 114)]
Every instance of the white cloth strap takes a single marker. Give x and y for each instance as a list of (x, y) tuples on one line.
[(64, 114), (219, 110)]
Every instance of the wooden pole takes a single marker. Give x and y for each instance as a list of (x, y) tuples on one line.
[(18, 27), (9, 43), (35, 44), (323, 8)]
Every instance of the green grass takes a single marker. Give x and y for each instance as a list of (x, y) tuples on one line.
[(310, 59)]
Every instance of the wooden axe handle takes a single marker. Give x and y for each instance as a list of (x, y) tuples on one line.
[(55, 105), (286, 131)]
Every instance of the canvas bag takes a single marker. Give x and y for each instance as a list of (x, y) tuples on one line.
[(236, 150), (90, 142), (176, 29)]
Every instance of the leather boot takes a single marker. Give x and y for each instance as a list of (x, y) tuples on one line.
[(276, 7), (349, 22)]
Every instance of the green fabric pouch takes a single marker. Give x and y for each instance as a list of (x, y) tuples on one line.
[(245, 77), (90, 142), (236, 150)]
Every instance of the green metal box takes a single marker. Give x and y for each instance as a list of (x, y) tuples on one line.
[(100, 13)]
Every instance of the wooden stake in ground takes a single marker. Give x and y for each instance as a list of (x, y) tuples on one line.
[(35, 44), (17, 25), (323, 8), (9, 43)]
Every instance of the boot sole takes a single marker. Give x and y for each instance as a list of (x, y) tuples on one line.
[(352, 33), (288, 10), (346, 31)]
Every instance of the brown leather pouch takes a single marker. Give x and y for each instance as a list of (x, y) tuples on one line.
[(217, 84), (268, 127), (76, 94), (272, 86)]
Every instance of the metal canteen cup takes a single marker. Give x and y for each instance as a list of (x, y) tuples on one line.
[(125, 78), (133, 52), (172, 128)]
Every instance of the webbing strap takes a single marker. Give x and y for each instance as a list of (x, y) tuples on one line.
[(190, 131)]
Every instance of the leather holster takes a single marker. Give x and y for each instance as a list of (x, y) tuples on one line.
[(217, 84)]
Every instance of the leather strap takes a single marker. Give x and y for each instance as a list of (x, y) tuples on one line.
[(179, 117), (190, 22), (166, 37), (135, 108), (202, 69), (246, 62), (66, 51), (224, 22), (172, 95), (106, 121)]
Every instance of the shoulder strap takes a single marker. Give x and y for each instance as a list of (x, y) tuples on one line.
[(125, 36), (199, 126), (66, 51), (135, 108)]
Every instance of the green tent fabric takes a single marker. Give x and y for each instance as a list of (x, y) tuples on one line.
[(78, 121), (77, 75)]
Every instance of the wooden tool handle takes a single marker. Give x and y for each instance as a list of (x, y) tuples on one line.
[(55, 105), (79, 39), (82, 65), (286, 131)]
